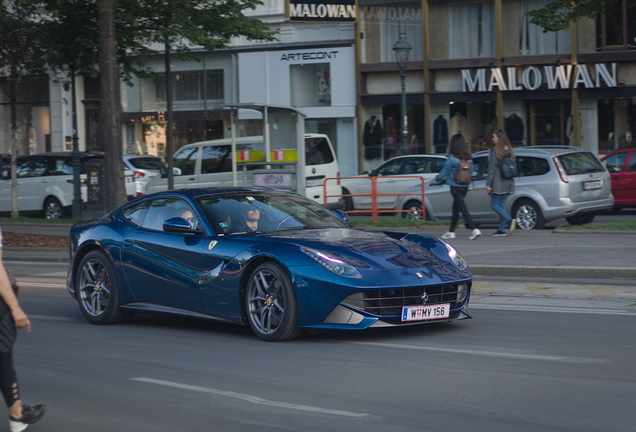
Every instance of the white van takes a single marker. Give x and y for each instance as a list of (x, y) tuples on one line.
[(209, 164)]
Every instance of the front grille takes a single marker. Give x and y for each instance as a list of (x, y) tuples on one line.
[(391, 301)]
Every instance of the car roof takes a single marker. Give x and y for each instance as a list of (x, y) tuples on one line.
[(540, 150), (197, 192), (66, 154), (136, 155)]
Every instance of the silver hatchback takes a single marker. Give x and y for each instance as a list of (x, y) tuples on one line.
[(555, 182)]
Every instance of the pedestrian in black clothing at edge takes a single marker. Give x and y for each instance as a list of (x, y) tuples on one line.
[(456, 152), (12, 317)]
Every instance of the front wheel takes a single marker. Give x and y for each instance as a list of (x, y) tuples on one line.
[(528, 215), (580, 220), (270, 303), (97, 290)]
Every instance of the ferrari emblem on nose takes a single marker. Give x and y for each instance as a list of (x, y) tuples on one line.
[(424, 298), (212, 244)]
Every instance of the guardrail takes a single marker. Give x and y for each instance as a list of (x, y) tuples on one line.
[(374, 195)]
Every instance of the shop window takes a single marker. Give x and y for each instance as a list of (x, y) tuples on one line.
[(471, 30), (192, 85), (533, 40), (310, 85), (616, 27), (380, 27)]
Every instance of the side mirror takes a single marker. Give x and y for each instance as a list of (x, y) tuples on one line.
[(163, 171), (180, 225), (342, 215), (373, 173)]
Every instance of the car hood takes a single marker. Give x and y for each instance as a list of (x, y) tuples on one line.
[(379, 249)]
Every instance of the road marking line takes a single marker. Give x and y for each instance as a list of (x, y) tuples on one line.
[(539, 289), (481, 287), (510, 355), (251, 399)]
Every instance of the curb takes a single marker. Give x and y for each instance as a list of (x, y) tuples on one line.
[(619, 232), (616, 273)]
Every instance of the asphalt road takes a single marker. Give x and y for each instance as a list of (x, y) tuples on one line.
[(552, 365)]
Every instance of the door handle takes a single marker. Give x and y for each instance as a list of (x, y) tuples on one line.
[(191, 179), (615, 178), (128, 244)]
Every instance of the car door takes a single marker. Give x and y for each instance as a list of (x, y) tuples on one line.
[(385, 184), (412, 170), (618, 165), (477, 198), (31, 181), (163, 268)]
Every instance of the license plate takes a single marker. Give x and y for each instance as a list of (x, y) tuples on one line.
[(421, 313), (596, 184), (312, 183)]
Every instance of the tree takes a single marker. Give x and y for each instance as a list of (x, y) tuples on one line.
[(20, 55), (180, 25), (558, 14)]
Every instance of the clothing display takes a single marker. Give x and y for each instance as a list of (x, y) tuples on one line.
[(372, 138), (514, 128), (440, 134), (458, 124)]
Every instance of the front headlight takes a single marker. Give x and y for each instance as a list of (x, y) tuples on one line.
[(456, 258), (333, 264)]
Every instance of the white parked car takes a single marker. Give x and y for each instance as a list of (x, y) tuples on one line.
[(144, 167), (45, 183), (393, 176)]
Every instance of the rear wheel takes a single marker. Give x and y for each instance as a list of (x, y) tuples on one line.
[(271, 306), (528, 215), (97, 290), (580, 220), (414, 212), (53, 208)]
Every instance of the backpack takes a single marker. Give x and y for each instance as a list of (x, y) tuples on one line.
[(464, 174), (508, 168)]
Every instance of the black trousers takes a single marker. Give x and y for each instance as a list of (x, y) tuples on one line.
[(459, 205), (8, 378)]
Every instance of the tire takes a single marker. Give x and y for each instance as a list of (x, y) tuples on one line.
[(53, 209), (270, 303), (348, 201), (580, 220), (98, 291), (528, 215), (415, 213)]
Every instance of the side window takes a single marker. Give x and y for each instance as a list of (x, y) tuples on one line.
[(185, 161), (438, 165), (25, 168), (614, 163), (632, 163), (480, 164), (61, 166), (317, 151), (135, 214), (160, 210), (40, 167), (532, 166), (391, 168), (215, 159)]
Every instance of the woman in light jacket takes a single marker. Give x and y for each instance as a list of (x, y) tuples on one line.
[(456, 152), (498, 187)]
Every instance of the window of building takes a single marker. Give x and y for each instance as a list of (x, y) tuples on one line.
[(616, 28), (471, 30), (533, 40), (380, 27), (192, 85), (310, 85)]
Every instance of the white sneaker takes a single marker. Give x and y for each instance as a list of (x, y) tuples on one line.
[(474, 234), (513, 225), (448, 235)]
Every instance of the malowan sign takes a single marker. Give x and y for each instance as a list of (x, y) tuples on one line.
[(332, 10), (532, 77)]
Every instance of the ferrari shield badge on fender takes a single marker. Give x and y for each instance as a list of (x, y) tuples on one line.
[(212, 244)]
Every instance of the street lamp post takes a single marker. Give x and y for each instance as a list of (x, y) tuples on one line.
[(402, 49)]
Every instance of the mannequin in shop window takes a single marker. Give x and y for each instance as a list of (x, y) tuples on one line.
[(440, 134), (611, 142), (390, 138), (458, 124), (372, 138), (514, 129), (626, 141)]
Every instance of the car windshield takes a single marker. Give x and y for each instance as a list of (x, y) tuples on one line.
[(580, 163), (262, 211), (146, 163)]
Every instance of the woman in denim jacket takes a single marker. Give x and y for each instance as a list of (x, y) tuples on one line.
[(456, 152)]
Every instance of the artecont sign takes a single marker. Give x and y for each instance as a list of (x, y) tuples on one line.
[(534, 77)]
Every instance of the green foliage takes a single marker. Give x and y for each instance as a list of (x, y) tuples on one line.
[(558, 14)]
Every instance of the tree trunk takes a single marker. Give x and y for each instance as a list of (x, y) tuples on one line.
[(13, 97), (169, 134), (110, 121)]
